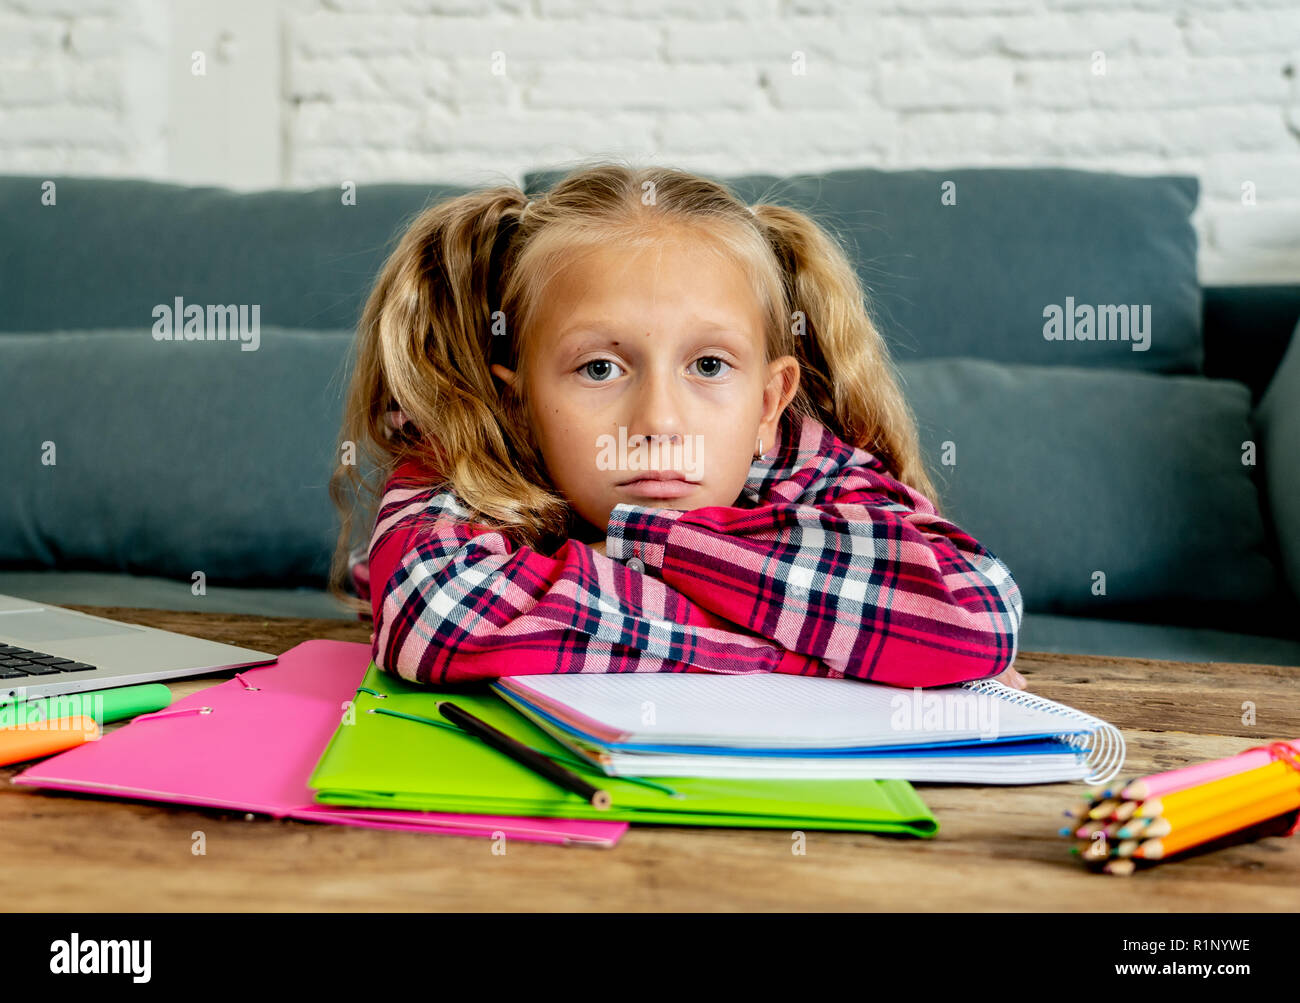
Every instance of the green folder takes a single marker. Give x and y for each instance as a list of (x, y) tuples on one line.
[(379, 759)]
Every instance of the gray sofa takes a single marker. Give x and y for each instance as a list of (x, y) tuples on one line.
[(1143, 489)]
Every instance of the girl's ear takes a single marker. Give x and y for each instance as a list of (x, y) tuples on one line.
[(782, 385), (501, 372)]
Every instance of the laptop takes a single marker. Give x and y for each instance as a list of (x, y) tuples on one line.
[(45, 650)]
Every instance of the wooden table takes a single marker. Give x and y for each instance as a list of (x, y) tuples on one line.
[(997, 848)]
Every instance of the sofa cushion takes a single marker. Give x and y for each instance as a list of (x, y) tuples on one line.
[(109, 250), (1277, 420), (975, 278), (1065, 472), (171, 457)]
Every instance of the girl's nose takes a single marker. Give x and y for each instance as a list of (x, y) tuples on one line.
[(658, 408)]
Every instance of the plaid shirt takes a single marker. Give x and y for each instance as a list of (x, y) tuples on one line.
[(825, 565)]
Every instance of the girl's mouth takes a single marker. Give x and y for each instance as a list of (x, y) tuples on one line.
[(659, 487)]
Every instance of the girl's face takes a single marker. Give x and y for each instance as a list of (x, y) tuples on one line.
[(651, 361)]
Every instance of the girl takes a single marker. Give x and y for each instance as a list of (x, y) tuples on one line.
[(637, 426)]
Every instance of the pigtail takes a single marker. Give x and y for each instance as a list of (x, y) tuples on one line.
[(848, 381), (421, 384)]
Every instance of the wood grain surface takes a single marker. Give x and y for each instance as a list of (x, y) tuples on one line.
[(997, 848)]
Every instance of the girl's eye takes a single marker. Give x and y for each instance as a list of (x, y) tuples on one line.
[(712, 370), (598, 366)]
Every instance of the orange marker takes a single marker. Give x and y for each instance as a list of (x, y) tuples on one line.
[(35, 740)]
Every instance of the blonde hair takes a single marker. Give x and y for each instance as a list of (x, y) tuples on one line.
[(460, 291)]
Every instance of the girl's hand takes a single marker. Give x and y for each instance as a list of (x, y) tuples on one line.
[(1013, 679)]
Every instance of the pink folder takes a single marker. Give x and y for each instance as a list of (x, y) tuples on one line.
[(256, 747)]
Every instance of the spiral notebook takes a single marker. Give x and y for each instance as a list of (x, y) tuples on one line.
[(776, 725)]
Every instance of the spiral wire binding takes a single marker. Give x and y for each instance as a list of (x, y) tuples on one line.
[(1104, 742)]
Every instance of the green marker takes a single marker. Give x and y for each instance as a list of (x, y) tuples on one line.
[(103, 705)]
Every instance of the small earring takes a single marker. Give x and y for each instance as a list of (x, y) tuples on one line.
[(760, 450)]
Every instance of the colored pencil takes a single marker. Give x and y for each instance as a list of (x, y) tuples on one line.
[(1181, 839), (1198, 773), (1202, 811), (1134, 827), (1276, 826), (1218, 790)]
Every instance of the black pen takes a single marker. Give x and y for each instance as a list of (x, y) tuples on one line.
[(523, 755)]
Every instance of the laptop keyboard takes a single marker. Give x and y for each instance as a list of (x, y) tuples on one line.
[(17, 662)]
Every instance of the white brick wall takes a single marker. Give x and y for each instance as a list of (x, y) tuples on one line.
[(480, 92), (80, 86)]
